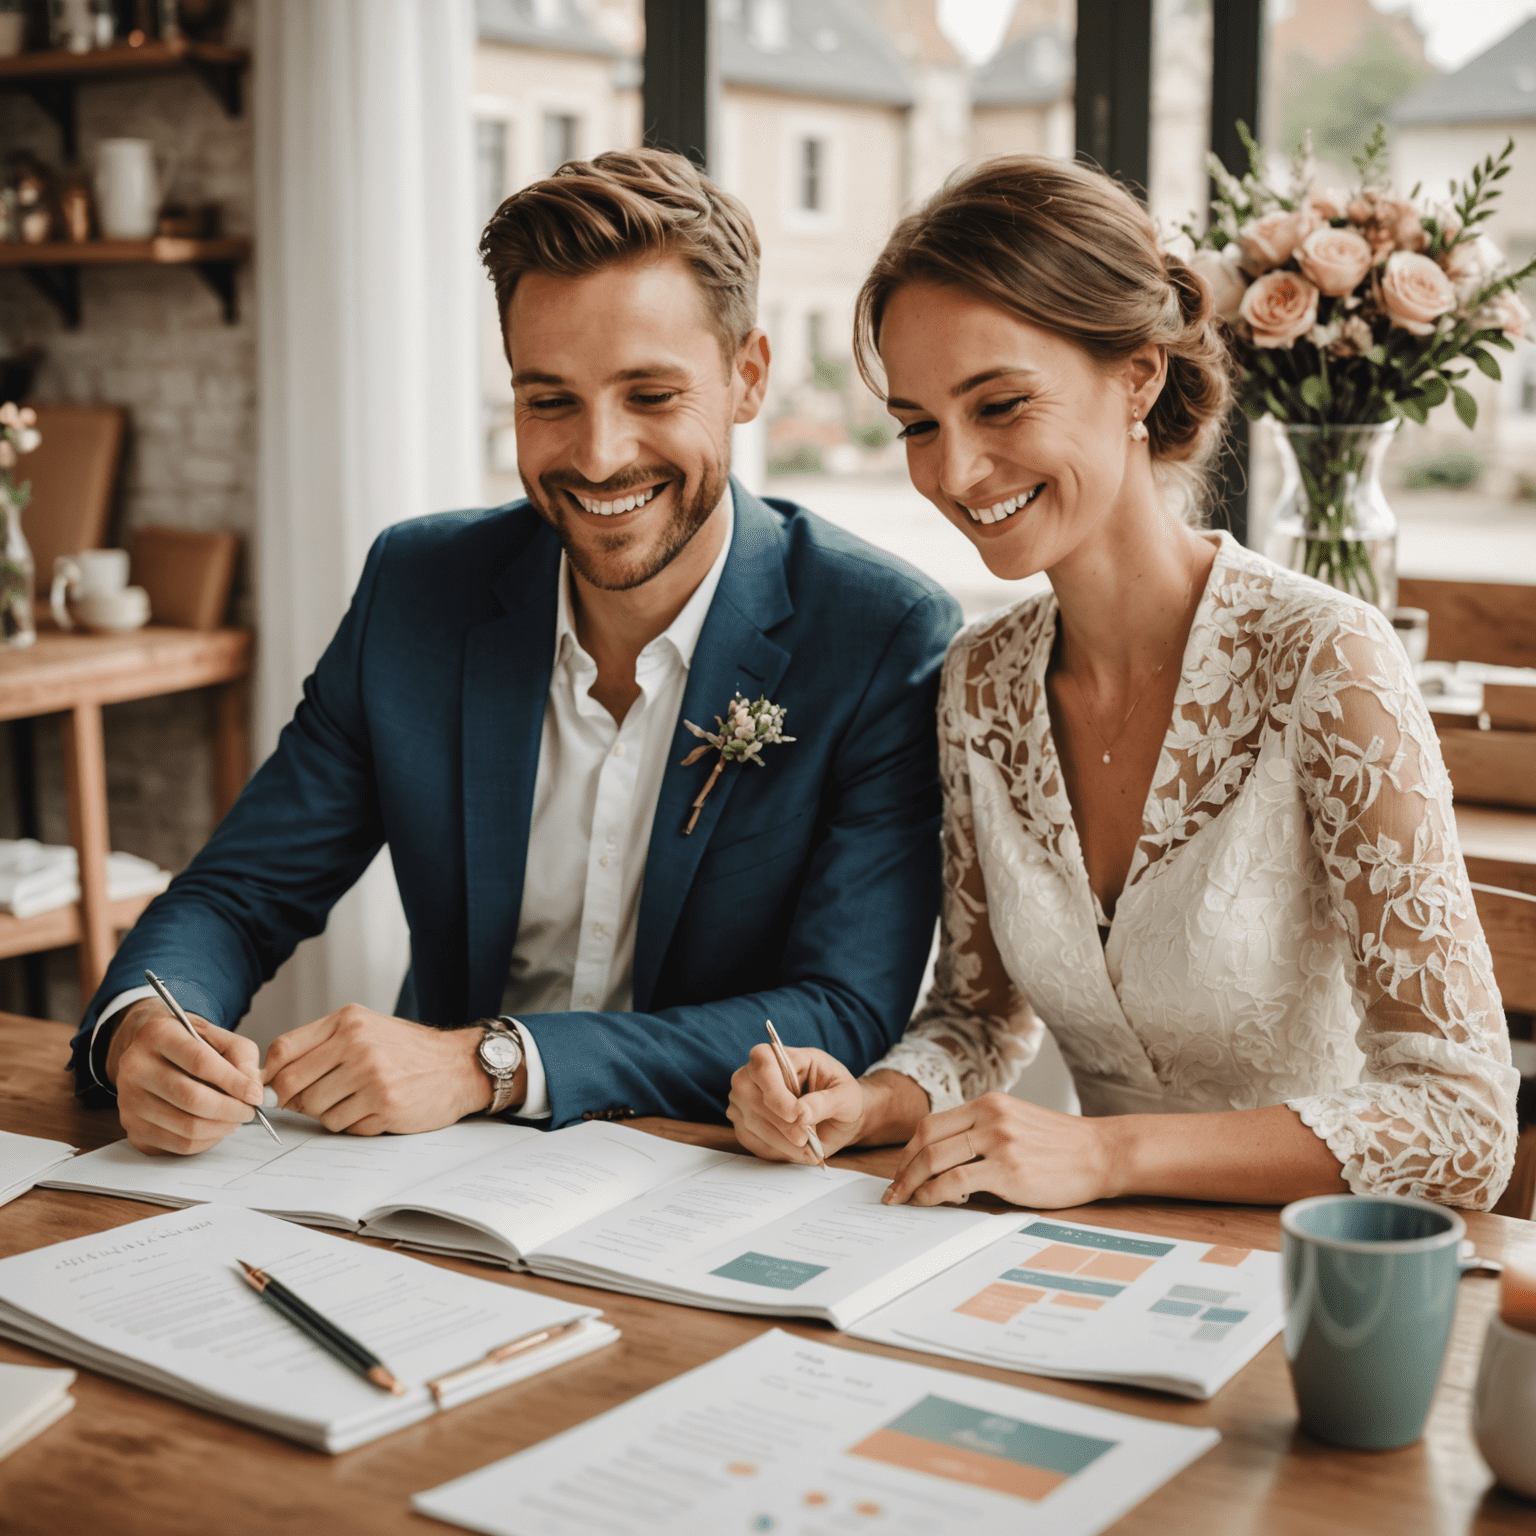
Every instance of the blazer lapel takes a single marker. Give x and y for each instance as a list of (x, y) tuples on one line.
[(733, 655), (507, 666)]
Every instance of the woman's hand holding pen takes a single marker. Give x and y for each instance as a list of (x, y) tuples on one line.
[(840, 1108), (177, 1094)]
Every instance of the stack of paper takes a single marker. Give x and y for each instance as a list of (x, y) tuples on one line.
[(38, 877), (30, 1400), (24, 1160), (161, 1304), (786, 1435)]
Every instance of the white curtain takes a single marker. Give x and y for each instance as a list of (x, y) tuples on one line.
[(366, 282)]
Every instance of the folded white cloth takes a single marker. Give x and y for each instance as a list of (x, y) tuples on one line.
[(37, 877)]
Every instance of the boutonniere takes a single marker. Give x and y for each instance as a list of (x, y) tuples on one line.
[(745, 731)]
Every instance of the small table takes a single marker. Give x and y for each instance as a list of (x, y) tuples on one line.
[(131, 1463), (75, 675)]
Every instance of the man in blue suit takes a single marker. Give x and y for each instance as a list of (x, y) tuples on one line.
[(505, 706)]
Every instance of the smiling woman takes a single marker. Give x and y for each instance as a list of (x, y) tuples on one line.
[(1196, 821)]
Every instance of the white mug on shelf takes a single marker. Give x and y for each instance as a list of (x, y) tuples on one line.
[(13, 32), (91, 589), (129, 188)]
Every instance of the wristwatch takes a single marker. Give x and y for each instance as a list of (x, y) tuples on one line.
[(500, 1054)]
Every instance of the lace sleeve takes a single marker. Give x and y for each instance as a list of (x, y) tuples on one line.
[(1434, 1112), (975, 1034)]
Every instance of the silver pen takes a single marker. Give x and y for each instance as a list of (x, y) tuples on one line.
[(186, 1023)]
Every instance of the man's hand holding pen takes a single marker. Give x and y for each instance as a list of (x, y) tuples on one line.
[(177, 1094)]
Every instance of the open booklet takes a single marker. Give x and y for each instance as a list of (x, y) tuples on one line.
[(160, 1303), (785, 1434), (1095, 1304), (595, 1203)]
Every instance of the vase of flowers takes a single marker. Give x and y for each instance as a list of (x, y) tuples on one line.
[(18, 435), (1349, 312)]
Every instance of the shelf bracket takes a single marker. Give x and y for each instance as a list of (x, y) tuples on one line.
[(57, 99), (221, 277), (223, 80), (60, 285)]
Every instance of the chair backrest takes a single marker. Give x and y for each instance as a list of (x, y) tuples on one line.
[(1509, 921), (187, 575), (73, 475), (1488, 621)]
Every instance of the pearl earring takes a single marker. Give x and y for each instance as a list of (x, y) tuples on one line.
[(1138, 432)]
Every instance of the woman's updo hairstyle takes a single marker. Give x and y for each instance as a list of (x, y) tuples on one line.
[(1065, 248)]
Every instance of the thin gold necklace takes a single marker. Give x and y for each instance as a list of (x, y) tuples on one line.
[(1082, 698)]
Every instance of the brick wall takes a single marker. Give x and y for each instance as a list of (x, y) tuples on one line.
[(154, 341)]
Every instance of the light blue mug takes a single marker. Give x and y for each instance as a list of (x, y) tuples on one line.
[(1370, 1296)]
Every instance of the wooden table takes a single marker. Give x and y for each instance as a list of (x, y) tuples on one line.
[(74, 675), (1499, 846), (128, 1462)]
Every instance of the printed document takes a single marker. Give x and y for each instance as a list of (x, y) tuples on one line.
[(160, 1303), (795, 1437), (31, 1398), (1064, 1299)]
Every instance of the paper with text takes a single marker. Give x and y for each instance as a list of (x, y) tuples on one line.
[(160, 1303), (1066, 1299), (27, 1160), (787, 1436)]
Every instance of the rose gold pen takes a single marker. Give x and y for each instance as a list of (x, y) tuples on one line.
[(440, 1385), (813, 1141)]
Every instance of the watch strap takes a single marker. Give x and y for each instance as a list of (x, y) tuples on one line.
[(504, 1087)]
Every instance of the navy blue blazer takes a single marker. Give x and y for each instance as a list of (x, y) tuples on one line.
[(806, 893)]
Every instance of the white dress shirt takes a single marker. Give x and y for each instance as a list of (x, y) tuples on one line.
[(593, 801)]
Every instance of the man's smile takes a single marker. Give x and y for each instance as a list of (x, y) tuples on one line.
[(617, 506)]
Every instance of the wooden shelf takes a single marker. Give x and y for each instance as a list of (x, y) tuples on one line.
[(55, 929), (51, 78), (54, 267)]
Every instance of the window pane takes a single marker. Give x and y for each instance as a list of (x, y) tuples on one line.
[(559, 140), (490, 165)]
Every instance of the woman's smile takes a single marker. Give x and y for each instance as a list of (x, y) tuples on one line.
[(1000, 511)]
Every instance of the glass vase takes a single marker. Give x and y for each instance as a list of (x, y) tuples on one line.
[(17, 576), (1332, 520)]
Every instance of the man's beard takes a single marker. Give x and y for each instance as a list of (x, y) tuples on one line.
[(689, 513)]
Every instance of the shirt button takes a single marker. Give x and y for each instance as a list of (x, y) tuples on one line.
[(588, 1001), (598, 929), (604, 861), (618, 751)]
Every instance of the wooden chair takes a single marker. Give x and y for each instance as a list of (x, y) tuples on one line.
[(187, 575), (1509, 922), (74, 476)]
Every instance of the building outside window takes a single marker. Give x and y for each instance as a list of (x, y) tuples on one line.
[(813, 169), (560, 133), (491, 146)]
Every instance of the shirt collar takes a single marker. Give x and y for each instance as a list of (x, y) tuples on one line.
[(682, 634)]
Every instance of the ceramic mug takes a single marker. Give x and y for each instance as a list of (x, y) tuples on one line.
[(1504, 1406), (13, 32), (91, 588), (1370, 1295)]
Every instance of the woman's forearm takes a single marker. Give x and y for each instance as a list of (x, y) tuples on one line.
[(1259, 1156)]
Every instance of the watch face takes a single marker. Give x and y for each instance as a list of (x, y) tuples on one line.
[(500, 1054)]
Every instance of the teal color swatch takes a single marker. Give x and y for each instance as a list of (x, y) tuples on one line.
[(995, 1434), (776, 1274)]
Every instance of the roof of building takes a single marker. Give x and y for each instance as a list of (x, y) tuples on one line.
[(831, 49), (1499, 84), (1031, 71), (555, 24)]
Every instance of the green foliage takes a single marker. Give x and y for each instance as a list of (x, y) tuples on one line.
[(1444, 471), (802, 459), (829, 374), (1340, 102)]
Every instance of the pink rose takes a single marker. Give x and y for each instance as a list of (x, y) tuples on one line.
[(1280, 307), (1509, 312), (1220, 273), (1388, 223), (1335, 259), (1329, 204), (1415, 292), (1472, 265), (1270, 241)]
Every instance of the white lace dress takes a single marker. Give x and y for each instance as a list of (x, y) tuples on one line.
[(1296, 926)]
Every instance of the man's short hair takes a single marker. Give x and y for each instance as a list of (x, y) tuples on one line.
[(629, 205)]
